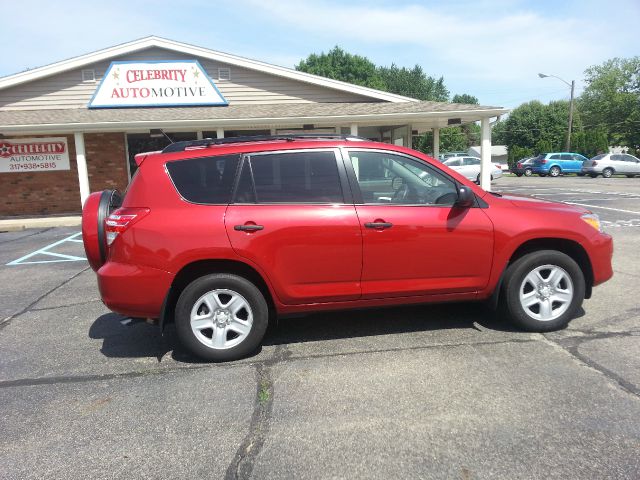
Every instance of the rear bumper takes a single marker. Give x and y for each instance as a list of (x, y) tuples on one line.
[(592, 169), (601, 256), (133, 290)]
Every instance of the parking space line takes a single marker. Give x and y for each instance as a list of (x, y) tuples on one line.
[(61, 257), (604, 208)]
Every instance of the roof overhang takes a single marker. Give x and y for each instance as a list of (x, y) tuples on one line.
[(62, 121)]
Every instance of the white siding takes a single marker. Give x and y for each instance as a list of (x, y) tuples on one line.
[(67, 90)]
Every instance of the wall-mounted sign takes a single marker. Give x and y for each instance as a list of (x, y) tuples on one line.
[(177, 83), (33, 154)]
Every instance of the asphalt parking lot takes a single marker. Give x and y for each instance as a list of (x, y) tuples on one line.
[(441, 391)]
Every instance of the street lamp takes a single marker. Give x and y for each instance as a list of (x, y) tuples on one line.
[(572, 85)]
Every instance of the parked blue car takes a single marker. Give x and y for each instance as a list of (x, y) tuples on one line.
[(557, 163)]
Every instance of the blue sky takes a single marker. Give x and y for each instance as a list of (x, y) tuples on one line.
[(492, 49)]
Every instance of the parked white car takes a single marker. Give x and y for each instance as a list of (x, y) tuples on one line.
[(470, 168), (612, 164)]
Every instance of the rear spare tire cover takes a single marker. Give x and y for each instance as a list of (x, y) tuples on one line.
[(97, 208)]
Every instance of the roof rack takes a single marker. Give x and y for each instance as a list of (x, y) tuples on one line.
[(207, 142)]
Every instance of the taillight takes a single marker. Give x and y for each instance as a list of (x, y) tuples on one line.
[(543, 161), (594, 163), (122, 219), (519, 165)]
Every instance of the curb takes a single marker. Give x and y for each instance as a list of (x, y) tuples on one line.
[(15, 225)]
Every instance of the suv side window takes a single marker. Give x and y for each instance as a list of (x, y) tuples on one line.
[(566, 156), (207, 180), (290, 177), (554, 157), (400, 180)]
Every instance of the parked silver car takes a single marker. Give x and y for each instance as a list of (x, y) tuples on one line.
[(612, 164), (470, 167)]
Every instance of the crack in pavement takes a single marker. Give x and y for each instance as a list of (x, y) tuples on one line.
[(64, 306), (241, 466), (6, 321), (30, 381), (572, 344), (26, 236)]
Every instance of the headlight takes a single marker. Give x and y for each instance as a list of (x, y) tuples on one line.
[(593, 220)]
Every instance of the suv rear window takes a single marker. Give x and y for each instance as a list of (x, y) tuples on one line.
[(206, 180), (292, 177)]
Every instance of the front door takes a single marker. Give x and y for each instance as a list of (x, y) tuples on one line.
[(415, 241), (290, 217)]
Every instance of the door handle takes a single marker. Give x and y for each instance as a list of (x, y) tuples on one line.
[(378, 225), (248, 228)]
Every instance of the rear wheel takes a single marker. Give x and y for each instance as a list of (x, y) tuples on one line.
[(527, 172), (221, 317), (518, 174), (554, 171), (542, 291), (630, 176), (593, 175), (607, 172)]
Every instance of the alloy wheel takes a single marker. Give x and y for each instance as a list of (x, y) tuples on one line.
[(546, 292)]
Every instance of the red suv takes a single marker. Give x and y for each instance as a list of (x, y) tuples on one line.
[(220, 235)]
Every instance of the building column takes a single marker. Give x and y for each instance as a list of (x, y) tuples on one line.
[(220, 132), (354, 129), (273, 130), (485, 154), (436, 142), (81, 162), (409, 137), (199, 135)]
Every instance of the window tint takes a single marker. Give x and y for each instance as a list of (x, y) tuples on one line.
[(566, 156), (471, 161), (630, 158), (616, 157), (296, 177), (400, 180), (204, 180), (599, 157), (453, 163)]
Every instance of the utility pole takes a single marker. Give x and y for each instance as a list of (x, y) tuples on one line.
[(572, 85)]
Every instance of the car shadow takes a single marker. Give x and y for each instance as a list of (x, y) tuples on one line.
[(136, 338)]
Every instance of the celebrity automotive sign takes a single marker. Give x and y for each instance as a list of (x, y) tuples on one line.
[(156, 84), (33, 154)]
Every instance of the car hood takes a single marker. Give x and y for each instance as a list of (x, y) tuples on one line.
[(523, 201)]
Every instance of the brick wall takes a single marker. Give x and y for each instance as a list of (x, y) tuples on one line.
[(46, 193)]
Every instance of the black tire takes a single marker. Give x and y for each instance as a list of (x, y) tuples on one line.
[(478, 180), (109, 201), (221, 281), (514, 279), (593, 175), (630, 176), (554, 171), (581, 174), (518, 174), (607, 172), (527, 172), (542, 174)]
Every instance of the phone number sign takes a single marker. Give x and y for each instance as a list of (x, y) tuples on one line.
[(33, 154)]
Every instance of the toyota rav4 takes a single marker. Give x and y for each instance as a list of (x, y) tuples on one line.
[(219, 236)]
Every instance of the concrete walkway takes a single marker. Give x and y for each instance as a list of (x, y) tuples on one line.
[(15, 224)]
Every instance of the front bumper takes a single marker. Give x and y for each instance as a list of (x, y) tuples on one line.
[(133, 290), (601, 255)]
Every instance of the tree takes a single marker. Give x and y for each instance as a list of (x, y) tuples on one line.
[(413, 83), (410, 82), (611, 100), (340, 65), (542, 128), (465, 98)]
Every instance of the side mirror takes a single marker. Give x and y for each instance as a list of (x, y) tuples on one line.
[(466, 198)]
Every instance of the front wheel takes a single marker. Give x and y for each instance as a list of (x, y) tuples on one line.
[(554, 171), (542, 291), (221, 317), (607, 173)]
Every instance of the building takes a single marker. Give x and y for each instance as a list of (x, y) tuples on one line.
[(74, 126), (499, 153)]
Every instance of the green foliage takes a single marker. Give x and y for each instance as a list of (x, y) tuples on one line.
[(340, 65), (452, 139), (413, 83), (465, 98), (590, 142), (611, 100), (410, 82), (542, 128), (517, 153)]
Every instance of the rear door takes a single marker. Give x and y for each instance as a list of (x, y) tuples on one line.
[(293, 216), (415, 242), (632, 164)]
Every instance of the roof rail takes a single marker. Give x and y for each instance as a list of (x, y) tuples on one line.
[(207, 142)]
